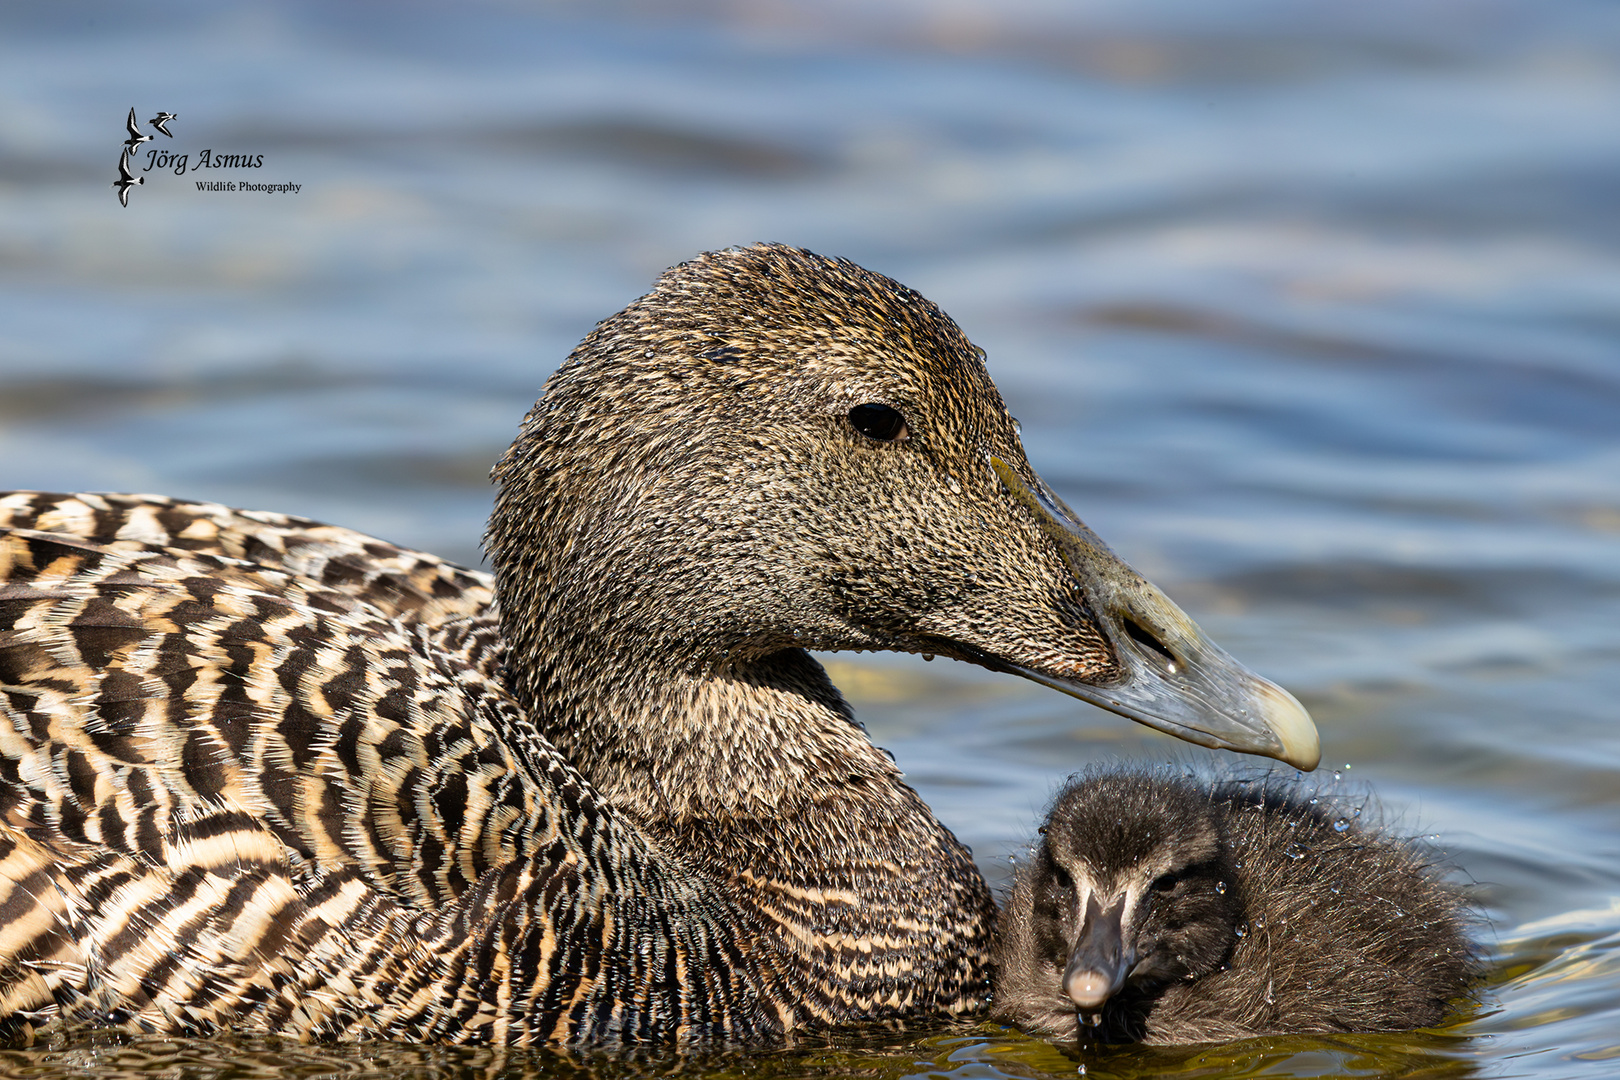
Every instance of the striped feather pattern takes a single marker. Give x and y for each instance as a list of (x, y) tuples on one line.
[(256, 774)]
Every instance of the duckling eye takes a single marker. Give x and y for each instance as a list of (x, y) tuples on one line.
[(878, 422), (1165, 883)]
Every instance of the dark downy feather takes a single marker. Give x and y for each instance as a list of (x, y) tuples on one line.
[(1258, 906)]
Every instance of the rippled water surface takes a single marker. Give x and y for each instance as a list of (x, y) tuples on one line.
[(1312, 310)]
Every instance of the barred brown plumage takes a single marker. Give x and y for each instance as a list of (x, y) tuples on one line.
[(260, 773)]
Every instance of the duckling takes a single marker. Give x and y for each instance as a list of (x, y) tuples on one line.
[(1161, 910), (263, 774)]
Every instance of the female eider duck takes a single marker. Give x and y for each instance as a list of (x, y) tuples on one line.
[(267, 775), (1160, 910)]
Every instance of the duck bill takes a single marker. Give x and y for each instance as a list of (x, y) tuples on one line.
[(1172, 677), (1099, 962)]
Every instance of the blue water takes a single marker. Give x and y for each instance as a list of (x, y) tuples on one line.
[(1313, 311)]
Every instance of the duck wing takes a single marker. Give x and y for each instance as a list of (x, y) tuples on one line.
[(412, 587), (235, 796)]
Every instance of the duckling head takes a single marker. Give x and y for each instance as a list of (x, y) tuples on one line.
[(1133, 886), (774, 450)]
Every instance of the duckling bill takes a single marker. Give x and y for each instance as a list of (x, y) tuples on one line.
[(1158, 909), (265, 774)]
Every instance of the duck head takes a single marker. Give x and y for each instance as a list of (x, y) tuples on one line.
[(773, 450)]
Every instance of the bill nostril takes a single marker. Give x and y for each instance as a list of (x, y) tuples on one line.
[(1143, 637)]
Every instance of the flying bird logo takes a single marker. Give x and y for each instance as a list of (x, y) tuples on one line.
[(136, 135), (126, 179)]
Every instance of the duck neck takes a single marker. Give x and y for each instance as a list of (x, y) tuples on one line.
[(743, 758), (728, 745), (754, 774)]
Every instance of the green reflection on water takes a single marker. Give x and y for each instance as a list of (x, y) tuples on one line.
[(963, 1050)]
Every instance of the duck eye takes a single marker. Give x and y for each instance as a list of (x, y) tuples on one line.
[(878, 422), (1165, 883)]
